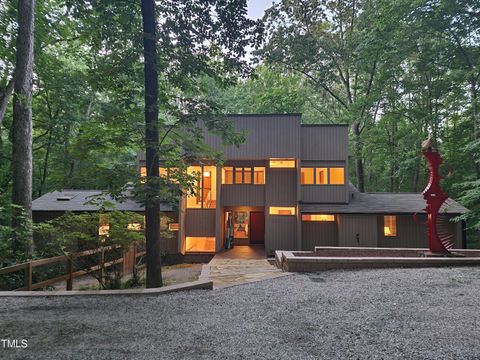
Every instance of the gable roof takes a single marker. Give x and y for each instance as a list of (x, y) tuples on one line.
[(382, 203), (76, 200)]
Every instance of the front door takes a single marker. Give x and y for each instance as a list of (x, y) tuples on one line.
[(257, 227)]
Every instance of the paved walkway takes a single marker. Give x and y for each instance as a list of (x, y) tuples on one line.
[(240, 265)]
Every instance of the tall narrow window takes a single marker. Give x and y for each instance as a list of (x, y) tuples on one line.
[(259, 175), (247, 175), (306, 176), (238, 176), (337, 176), (321, 176), (282, 163), (227, 175), (209, 187), (390, 225), (195, 200)]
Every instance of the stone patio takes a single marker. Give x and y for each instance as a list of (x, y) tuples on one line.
[(240, 265)]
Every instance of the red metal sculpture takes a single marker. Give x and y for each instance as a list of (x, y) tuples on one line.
[(435, 197)]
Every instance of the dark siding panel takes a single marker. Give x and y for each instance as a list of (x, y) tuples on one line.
[(363, 225), (324, 194), (281, 187), (319, 233), (267, 137), (200, 222), (412, 235), (169, 243), (324, 143), (243, 195), (280, 233)]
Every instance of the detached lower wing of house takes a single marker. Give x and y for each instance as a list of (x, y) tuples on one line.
[(285, 188)]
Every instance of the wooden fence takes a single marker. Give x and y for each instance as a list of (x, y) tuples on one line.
[(128, 260)]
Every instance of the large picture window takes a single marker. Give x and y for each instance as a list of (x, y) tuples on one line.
[(205, 187)]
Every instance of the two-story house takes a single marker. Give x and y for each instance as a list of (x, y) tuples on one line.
[(287, 187)]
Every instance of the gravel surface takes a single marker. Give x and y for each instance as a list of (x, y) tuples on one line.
[(368, 314)]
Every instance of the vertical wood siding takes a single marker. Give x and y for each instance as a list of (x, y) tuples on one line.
[(324, 194), (280, 233), (267, 137), (281, 187), (413, 235), (363, 225), (243, 195), (319, 233), (324, 143), (200, 222)]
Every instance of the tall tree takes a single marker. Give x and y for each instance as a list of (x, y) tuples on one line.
[(22, 117), (152, 207)]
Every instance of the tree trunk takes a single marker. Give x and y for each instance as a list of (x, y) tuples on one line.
[(474, 95), (358, 157), (4, 98), (22, 120), (152, 206)]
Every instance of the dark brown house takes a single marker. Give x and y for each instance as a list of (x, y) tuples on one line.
[(287, 188)]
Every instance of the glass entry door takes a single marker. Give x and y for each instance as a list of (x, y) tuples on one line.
[(241, 226)]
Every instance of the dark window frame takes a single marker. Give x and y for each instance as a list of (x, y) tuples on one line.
[(328, 175)]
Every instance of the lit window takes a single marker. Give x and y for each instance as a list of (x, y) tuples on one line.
[(337, 176), (238, 175), (321, 176), (281, 210), (282, 163), (209, 187), (205, 187), (390, 225), (227, 175), (162, 172), (195, 200), (173, 226), (134, 227), (143, 171), (103, 226), (200, 244), (259, 175), (307, 176), (247, 175), (318, 217)]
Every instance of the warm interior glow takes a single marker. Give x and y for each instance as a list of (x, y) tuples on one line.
[(134, 227), (259, 175), (247, 175), (306, 176), (173, 226), (337, 176), (282, 163), (240, 225), (318, 217), (390, 225), (200, 244), (321, 176), (238, 175), (227, 175), (281, 210), (209, 187), (104, 230), (143, 171), (194, 201)]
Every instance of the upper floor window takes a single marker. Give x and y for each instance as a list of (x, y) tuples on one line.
[(243, 175), (390, 225), (205, 187), (282, 163), (322, 176), (163, 172)]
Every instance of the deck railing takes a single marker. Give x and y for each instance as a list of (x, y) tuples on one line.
[(27, 267)]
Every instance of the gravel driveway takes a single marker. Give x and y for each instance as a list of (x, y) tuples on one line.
[(369, 314)]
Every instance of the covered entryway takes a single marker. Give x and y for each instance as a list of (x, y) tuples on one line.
[(257, 227)]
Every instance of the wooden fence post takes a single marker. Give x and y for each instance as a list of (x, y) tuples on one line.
[(70, 274), (28, 276)]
